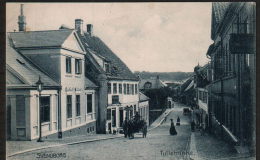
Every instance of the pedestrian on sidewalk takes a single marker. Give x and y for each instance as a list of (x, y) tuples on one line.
[(144, 130), (125, 126), (192, 126), (172, 129), (178, 121)]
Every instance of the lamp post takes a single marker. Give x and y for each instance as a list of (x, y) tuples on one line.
[(39, 85)]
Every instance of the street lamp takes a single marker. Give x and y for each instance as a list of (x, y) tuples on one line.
[(39, 85)]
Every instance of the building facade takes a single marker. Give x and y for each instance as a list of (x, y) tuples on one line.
[(232, 95), (118, 87), (144, 107), (59, 54)]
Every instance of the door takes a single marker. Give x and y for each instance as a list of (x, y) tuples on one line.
[(121, 116)]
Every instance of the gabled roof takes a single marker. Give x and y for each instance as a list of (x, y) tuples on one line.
[(89, 83), (119, 70), (155, 82), (143, 97), (48, 38), (21, 69)]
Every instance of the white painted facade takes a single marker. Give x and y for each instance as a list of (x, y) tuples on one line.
[(144, 111), (72, 84), (126, 107)]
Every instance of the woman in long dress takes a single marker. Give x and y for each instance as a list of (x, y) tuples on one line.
[(172, 129)]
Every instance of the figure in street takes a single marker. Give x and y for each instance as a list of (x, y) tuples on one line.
[(144, 130), (172, 129), (192, 126), (178, 121), (130, 129), (125, 126)]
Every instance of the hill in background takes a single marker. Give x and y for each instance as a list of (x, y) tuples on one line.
[(165, 76)]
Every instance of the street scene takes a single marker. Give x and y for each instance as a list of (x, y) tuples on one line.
[(123, 81)]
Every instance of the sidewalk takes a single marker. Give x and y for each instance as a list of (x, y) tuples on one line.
[(160, 119), (18, 147), (209, 147)]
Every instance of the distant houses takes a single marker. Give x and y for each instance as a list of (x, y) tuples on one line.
[(86, 87)]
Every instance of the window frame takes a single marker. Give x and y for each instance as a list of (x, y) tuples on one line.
[(69, 106), (77, 105), (78, 66), (109, 88), (114, 88), (89, 108), (68, 64)]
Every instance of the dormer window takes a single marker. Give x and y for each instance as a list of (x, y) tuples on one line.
[(107, 67)]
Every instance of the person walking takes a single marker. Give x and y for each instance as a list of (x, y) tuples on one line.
[(178, 121), (172, 129), (144, 130), (192, 126), (125, 127)]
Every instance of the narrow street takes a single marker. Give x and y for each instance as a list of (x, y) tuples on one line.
[(158, 145)]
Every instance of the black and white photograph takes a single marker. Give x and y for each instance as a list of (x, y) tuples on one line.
[(130, 81)]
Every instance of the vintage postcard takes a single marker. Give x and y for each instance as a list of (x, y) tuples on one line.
[(124, 81)]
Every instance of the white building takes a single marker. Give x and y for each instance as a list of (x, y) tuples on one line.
[(69, 98), (144, 107)]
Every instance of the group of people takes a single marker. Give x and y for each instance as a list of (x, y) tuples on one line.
[(134, 125)]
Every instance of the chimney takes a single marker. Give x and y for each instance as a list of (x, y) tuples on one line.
[(21, 20), (78, 26), (90, 29)]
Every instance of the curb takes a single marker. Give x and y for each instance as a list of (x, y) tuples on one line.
[(78, 142), (160, 121), (59, 145)]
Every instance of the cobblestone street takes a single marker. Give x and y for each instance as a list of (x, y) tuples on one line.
[(158, 145)]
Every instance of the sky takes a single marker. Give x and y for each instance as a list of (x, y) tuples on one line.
[(155, 37)]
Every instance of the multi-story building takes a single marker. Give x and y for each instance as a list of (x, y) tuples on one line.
[(232, 97), (61, 56), (118, 86)]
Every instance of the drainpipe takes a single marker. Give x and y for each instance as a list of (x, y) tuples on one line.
[(59, 114)]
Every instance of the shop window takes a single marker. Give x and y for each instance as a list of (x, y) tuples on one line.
[(45, 109)]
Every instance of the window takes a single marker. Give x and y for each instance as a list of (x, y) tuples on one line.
[(45, 109), (114, 88), (120, 88), (135, 88), (107, 67), (68, 64), (78, 66), (20, 110), (127, 88), (132, 88), (109, 88), (147, 85), (89, 103), (69, 106), (108, 114), (115, 99), (124, 88), (77, 105)]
